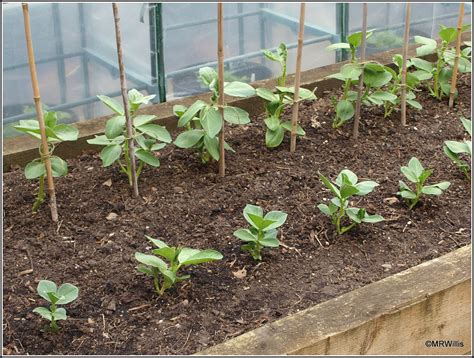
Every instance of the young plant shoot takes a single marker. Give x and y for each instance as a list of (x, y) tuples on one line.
[(203, 122), (165, 273), (55, 133), (415, 173), (275, 102), (441, 72), (395, 87), (457, 150), (346, 186), (150, 137), (263, 231), (55, 296)]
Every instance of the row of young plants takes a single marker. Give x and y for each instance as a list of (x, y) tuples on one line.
[(164, 262), (383, 84), (202, 123)]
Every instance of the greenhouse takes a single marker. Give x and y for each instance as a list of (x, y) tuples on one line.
[(236, 178)]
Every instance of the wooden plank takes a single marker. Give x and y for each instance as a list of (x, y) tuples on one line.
[(397, 315)]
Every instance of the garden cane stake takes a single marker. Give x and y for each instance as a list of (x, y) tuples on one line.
[(294, 117), (39, 113), (456, 59), (406, 36), (220, 72), (123, 85), (355, 132)]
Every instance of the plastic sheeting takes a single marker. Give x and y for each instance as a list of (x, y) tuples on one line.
[(76, 53)]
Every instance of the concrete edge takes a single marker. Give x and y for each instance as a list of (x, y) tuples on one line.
[(395, 315)]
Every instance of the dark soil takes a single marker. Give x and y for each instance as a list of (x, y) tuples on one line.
[(185, 203)]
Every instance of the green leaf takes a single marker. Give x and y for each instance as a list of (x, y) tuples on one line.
[(345, 110), (156, 242), (379, 97), (414, 104), (403, 186), (50, 119), (115, 127), (329, 185), (144, 119), (212, 122), (191, 112), (45, 287), (60, 314), (145, 269), (443, 185), (137, 98), (178, 110), (299, 131), (67, 293), (44, 312), (375, 75), (212, 146), (372, 218), (339, 45), (422, 75), (457, 147), (407, 194), (448, 34), (351, 71), (156, 131), (409, 174), (110, 154), (238, 89), (236, 115), (274, 138), (112, 104), (208, 75), (245, 235), (35, 169), (168, 253), (270, 242), (427, 47), (157, 146), (259, 223), (266, 94), (151, 260), (185, 258), (99, 140), (147, 157), (66, 132), (353, 214), (58, 166), (272, 123), (365, 187), (325, 209), (254, 210), (189, 138), (351, 176), (431, 190), (422, 64), (467, 125), (415, 166), (347, 190), (278, 218)]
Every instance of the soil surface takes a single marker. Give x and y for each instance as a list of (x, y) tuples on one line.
[(186, 203)]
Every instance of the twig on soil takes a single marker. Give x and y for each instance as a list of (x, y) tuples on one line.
[(187, 338), (139, 307)]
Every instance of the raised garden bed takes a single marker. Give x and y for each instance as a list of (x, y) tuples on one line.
[(185, 202)]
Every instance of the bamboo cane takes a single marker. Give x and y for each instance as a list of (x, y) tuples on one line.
[(299, 53), (403, 97), (456, 59), (123, 86), (355, 132), (39, 113), (220, 71)]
